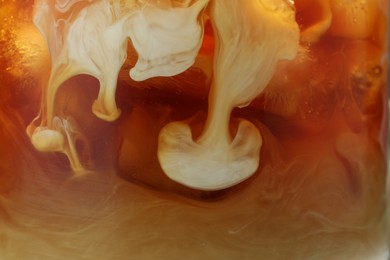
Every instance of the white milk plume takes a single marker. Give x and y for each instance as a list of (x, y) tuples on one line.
[(319, 191), (251, 37), (93, 41)]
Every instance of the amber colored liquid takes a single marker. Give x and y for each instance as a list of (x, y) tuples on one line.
[(319, 192), (339, 92)]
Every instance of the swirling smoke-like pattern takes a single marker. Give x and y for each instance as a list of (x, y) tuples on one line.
[(319, 192)]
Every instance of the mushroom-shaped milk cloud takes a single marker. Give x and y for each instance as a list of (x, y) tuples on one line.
[(251, 37)]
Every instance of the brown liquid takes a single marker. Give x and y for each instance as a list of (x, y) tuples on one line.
[(319, 192)]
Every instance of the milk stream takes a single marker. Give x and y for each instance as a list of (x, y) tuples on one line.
[(117, 89)]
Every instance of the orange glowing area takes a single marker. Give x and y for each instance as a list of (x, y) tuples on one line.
[(204, 129)]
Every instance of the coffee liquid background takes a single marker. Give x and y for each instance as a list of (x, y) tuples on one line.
[(319, 192)]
